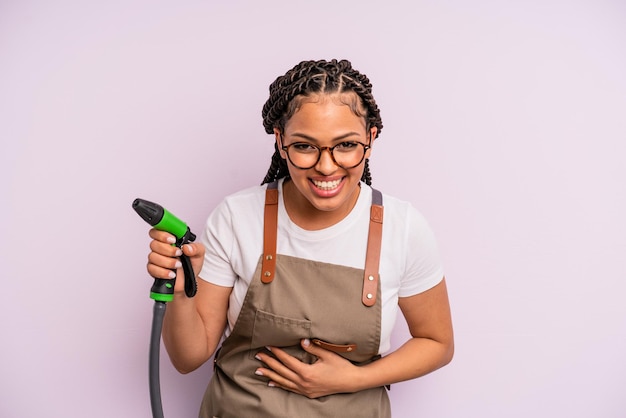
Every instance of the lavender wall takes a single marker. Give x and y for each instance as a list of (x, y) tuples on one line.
[(504, 123)]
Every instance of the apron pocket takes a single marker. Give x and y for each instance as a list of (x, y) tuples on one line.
[(280, 331)]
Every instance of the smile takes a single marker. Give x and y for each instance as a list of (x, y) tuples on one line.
[(327, 185)]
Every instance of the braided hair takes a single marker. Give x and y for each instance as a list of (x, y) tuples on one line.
[(309, 78)]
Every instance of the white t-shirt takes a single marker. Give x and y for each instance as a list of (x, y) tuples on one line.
[(409, 262)]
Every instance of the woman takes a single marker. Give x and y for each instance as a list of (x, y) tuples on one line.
[(303, 275)]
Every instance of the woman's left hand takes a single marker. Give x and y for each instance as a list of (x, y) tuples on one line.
[(330, 374)]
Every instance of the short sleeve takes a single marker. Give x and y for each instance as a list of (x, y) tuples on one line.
[(217, 239), (423, 268)]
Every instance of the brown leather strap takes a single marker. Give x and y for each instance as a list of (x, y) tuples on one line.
[(270, 230), (372, 256), (336, 348)]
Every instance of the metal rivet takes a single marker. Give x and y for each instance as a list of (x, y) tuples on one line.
[(369, 296), (268, 257), (370, 278), (268, 274)]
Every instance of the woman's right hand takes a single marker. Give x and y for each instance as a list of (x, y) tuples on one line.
[(164, 262)]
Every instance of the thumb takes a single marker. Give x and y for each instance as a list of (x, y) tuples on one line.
[(312, 348), (319, 347), (195, 251), (190, 249)]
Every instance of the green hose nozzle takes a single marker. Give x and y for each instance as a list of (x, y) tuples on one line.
[(160, 218)]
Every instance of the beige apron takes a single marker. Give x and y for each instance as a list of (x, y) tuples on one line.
[(289, 299)]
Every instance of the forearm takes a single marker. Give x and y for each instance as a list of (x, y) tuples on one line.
[(431, 346), (417, 357), (184, 335), (193, 327)]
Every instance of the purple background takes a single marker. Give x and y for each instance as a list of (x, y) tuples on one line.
[(504, 124)]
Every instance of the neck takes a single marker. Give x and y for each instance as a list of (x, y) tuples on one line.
[(308, 217)]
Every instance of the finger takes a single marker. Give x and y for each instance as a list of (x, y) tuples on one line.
[(278, 381), (311, 348), (165, 262), (193, 250), (165, 249), (276, 370), (160, 267), (286, 360), (162, 236), (291, 388), (160, 272), (320, 352)]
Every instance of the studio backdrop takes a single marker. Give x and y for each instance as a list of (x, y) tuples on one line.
[(504, 124)]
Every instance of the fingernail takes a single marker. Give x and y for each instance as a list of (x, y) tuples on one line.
[(271, 384), (189, 248), (171, 240), (306, 342), (179, 252), (268, 348), (258, 357), (172, 275), (258, 372), (178, 264)]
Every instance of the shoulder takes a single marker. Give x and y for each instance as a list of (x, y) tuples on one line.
[(241, 207), (402, 218), (398, 208), (249, 194), (244, 200)]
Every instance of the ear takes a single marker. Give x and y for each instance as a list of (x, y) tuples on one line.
[(373, 132), (279, 144)]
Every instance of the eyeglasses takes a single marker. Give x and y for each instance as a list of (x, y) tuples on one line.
[(346, 155)]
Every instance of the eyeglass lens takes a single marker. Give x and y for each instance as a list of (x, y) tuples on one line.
[(345, 154)]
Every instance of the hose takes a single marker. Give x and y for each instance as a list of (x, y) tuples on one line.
[(155, 349)]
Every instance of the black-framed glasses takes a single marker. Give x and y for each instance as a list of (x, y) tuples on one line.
[(347, 154)]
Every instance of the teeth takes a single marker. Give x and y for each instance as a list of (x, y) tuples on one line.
[(327, 185)]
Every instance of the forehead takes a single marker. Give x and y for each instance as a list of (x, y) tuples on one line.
[(348, 98), (326, 109), (328, 116)]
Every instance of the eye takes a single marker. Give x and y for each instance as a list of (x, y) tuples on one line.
[(347, 146), (303, 147)]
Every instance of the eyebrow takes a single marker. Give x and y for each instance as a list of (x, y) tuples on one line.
[(339, 138)]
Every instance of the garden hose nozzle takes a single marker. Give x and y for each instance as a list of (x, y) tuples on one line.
[(160, 218)]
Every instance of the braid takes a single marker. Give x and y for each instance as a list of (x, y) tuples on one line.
[(278, 168), (315, 77), (367, 177)]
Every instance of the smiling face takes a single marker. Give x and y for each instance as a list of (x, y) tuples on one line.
[(324, 194)]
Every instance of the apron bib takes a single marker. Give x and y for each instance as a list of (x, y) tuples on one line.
[(290, 298)]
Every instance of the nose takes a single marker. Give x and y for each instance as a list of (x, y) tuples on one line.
[(326, 163)]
